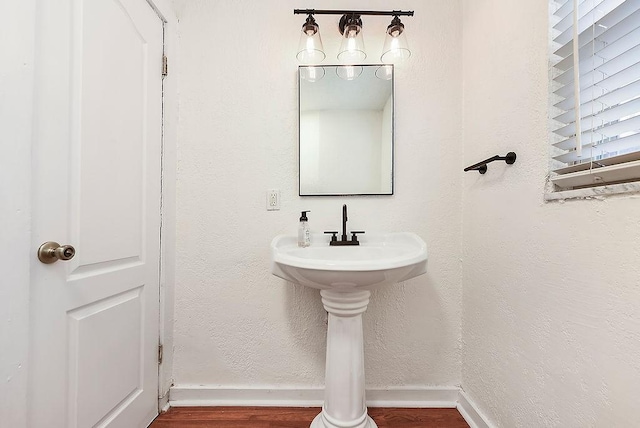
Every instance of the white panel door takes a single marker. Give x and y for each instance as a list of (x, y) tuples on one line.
[(96, 186)]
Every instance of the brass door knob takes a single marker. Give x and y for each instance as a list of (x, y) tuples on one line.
[(50, 252)]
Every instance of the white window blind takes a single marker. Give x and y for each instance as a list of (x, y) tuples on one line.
[(595, 92)]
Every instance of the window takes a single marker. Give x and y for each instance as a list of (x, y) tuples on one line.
[(595, 92)]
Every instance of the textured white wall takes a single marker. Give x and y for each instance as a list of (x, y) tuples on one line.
[(551, 313), (235, 323)]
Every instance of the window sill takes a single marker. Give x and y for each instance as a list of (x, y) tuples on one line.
[(593, 192), (617, 173), (597, 182)]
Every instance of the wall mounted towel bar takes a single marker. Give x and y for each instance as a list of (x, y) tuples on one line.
[(481, 167)]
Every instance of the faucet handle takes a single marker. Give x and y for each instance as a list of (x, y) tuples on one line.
[(334, 236), (354, 238)]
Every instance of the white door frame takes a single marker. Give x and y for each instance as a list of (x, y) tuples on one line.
[(168, 209), (16, 117)]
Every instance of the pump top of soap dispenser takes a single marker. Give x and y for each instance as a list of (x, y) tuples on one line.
[(304, 216)]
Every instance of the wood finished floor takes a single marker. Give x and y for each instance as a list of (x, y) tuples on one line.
[(297, 417)]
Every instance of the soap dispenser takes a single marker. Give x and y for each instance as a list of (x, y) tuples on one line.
[(304, 233)]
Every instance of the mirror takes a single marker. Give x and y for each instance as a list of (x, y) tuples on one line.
[(346, 130)]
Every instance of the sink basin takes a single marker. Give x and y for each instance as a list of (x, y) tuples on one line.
[(380, 259)]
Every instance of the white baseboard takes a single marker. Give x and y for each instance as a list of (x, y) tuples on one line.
[(417, 397), (471, 413), (208, 395), (163, 403)]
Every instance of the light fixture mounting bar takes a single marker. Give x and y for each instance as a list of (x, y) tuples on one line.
[(352, 12)]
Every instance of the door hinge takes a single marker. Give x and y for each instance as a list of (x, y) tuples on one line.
[(160, 349), (164, 65)]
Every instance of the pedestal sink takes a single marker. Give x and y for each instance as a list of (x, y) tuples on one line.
[(345, 275)]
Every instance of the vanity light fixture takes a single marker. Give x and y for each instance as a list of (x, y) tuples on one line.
[(352, 50), (310, 50), (352, 46), (395, 47)]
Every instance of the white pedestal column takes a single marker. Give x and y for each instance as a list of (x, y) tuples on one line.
[(344, 401)]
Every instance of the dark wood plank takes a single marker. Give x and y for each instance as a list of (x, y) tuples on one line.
[(299, 417), (414, 418)]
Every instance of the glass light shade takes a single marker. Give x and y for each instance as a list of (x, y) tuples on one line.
[(396, 48), (312, 74), (349, 72), (352, 46), (310, 50), (384, 72)]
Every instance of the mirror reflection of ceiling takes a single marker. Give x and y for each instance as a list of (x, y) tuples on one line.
[(334, 93)]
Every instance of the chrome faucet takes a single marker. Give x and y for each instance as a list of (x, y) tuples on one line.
[(344, 240)]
